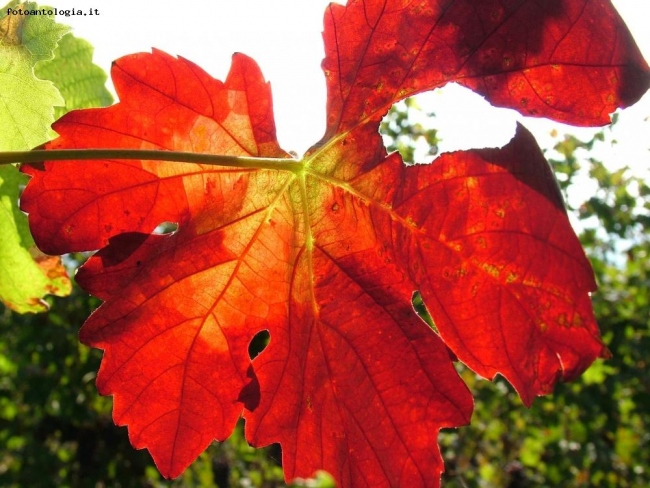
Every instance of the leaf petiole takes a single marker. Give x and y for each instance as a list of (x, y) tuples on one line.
[(40, 155)]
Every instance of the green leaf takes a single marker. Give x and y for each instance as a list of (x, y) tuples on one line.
[(26, 113), (82, 83), (26, 274), (26, 102), (43, 74)]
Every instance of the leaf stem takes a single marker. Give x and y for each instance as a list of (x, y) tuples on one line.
[(40, 155)]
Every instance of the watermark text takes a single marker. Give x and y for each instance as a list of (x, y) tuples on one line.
[(53, 11)]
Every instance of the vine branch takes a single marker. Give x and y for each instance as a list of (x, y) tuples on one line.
[(40, 155)]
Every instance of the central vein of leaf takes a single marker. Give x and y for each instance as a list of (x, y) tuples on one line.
[(309, 239)]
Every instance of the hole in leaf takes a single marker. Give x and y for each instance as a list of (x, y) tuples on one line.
[(258, 343), (409, 130), (421, 309), (166, 228), (463, 120)]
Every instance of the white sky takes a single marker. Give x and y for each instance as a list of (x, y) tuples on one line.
[(284, 37)]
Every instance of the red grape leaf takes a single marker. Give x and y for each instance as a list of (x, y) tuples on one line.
[(327, 257), (572, 60)]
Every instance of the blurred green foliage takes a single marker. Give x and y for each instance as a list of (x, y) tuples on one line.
[(55, 430), (408, 130)]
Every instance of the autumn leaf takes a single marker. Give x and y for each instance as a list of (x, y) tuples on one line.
[(573, 61), (325, 253)]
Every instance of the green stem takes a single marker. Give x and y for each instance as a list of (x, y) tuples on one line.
[(39, 155)]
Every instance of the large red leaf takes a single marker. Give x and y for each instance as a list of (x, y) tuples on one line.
[(327, 256)]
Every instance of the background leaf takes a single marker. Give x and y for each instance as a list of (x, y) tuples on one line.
[(26, 274), (26, 102), (82, 83), (26, 113), (35, 62)]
